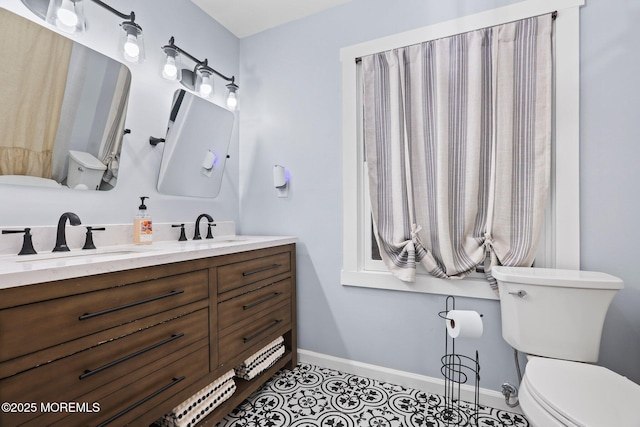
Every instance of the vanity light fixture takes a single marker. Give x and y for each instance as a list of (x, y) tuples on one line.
[(172, 69), (232, 99), (68, 15), (200, 79)]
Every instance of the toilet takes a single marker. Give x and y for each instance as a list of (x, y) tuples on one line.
[(85, 171), (556, 318)]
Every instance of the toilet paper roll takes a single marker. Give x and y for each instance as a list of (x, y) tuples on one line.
[(464, 324)]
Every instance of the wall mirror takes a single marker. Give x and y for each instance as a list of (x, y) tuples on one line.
[(61, 103), (195, 148)]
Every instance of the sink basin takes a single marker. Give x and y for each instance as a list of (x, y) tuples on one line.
[(229, 238), (87, 256), (215, 241), (89, 253)]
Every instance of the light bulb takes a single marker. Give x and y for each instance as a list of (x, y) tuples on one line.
[(131, 48), (170, 70), (205, 86), (232, 101), (67, 14)]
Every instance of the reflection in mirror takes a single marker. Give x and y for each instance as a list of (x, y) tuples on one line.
[(62, 111), (195, 148)]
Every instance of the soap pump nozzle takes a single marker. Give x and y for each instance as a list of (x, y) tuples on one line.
[(142, 206)]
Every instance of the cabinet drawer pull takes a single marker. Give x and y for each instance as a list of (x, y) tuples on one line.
[(260, 332), (260, 270), (88, 372), (253, 304), (131, 304), (140, 402)]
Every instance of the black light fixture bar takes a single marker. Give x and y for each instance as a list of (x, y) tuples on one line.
[(199, 64), (131, 16)]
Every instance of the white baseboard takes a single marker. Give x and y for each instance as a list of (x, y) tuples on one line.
[(424, 383)]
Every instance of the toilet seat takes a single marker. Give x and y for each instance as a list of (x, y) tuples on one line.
[(578, 394)]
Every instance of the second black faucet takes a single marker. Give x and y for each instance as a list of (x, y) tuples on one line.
[(196, 235)]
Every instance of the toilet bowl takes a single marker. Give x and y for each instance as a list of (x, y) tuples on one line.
[(560, 393), (556, 317)]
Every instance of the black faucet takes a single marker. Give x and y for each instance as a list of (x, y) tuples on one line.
[(61, 238), (196, 235)]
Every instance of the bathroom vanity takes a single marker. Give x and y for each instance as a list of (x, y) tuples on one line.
[(123, 337)]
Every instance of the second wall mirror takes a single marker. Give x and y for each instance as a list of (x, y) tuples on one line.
[(195, 148)]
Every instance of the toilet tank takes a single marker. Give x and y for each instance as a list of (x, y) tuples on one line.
[(554, 313), (85, 171)]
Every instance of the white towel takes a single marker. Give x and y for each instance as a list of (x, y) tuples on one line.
[(198, 406), (262, 360)]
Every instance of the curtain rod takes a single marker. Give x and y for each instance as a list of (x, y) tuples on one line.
[(554, 15)]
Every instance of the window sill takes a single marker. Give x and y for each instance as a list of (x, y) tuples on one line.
[(469, 287)]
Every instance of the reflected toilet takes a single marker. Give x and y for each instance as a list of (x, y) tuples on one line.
[(85, 171)]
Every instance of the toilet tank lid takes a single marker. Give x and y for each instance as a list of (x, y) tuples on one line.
[(87, 160), (557, 277)]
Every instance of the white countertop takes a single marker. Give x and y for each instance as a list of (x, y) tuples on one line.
[(45, 267)]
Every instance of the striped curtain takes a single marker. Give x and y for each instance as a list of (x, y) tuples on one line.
[(457, 134)]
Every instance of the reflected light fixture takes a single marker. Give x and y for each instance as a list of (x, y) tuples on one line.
[(232, 98), (200, 79), (68, 16)]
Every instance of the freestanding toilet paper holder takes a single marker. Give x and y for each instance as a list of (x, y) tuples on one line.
[(457, 369)]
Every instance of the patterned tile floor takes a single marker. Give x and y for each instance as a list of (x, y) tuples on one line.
[(313, 396)]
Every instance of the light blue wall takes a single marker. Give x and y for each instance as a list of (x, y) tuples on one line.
[(609, 176), (149, 105), (290, 115)]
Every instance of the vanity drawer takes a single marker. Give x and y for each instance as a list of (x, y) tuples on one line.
[(126, 404), (242, 273), (59, 320), (254, 332), (88, 370), (246, 305)]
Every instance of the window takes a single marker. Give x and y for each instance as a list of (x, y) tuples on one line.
[(559, 245)]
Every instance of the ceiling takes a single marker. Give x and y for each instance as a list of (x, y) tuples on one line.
[(246, 17)]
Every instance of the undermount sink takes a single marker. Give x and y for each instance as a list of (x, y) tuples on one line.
[(216, 240), (229, 238), (45, 259), (89, 253)]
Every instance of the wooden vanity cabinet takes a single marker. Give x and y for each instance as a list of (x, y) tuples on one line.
[(124, 348)]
